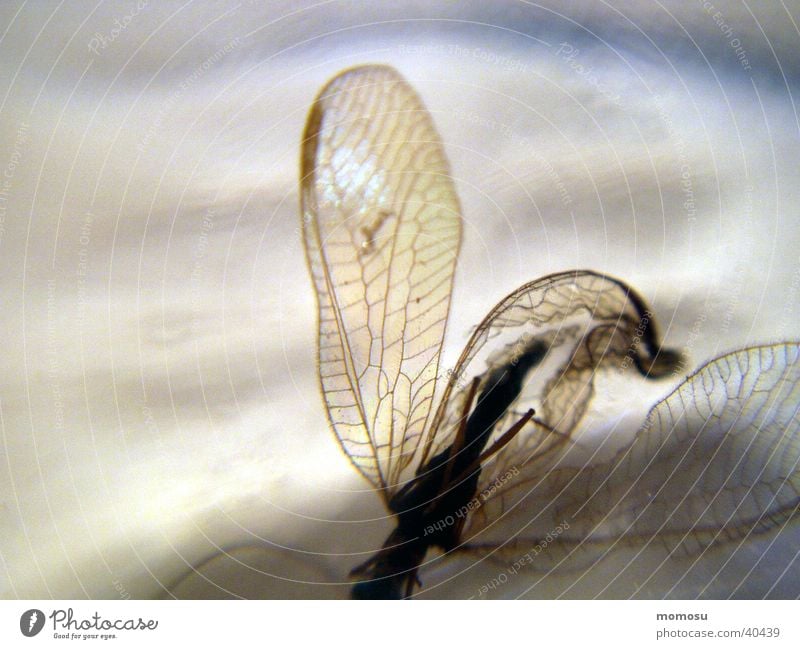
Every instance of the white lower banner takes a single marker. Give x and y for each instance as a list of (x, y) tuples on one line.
[(383, 624)]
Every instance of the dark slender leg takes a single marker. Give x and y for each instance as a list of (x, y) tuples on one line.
[(455, 448), (413, 580), (504, 439), (458, 443)]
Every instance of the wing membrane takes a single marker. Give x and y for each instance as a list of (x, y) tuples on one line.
[(381, 224), (587, 321), (716, 460)]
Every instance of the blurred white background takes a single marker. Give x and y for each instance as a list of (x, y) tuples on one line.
[(159, 401)]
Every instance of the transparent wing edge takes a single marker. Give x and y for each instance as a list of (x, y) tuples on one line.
[(758, 392), (381, 229), (542, 310)]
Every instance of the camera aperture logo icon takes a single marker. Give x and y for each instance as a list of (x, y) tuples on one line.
[(31, 622)]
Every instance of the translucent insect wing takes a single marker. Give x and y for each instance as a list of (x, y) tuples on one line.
[(586, 321), (716, 460), (382, 229)]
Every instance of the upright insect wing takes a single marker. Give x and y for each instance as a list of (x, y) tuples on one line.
[(382, 230)]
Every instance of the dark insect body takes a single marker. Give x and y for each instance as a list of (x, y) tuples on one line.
[(442, 488)]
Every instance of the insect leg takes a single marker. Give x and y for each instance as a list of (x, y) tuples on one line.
[(411, 581), (498, 445), (506, 437), (398, 500), (458, 443)]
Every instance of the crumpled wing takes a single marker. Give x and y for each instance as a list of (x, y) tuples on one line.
[(588, 322), (382, 229), (715, 461)]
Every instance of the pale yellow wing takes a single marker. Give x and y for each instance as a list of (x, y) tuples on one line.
[(717, 460), (382, 229)]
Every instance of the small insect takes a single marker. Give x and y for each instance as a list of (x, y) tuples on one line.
[(471, 463)]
